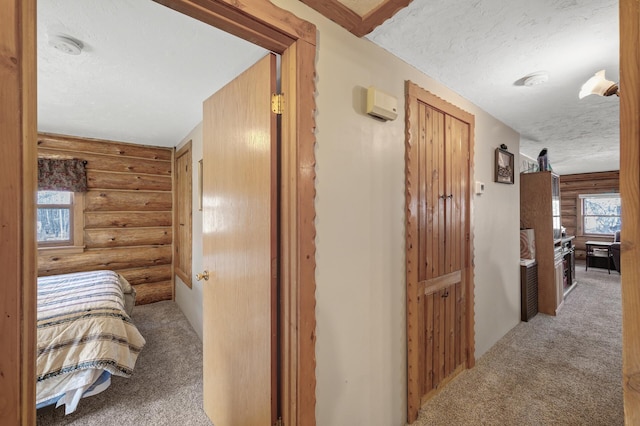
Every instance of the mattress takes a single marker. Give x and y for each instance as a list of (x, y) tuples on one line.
[(84, 330)]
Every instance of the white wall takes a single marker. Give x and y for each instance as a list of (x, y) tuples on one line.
[(361, 346), (190, 299)]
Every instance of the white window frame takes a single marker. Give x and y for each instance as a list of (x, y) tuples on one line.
[(582, 216), (76, 232)]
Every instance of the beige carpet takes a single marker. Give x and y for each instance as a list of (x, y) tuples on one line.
[(563, 370), (549, 371), (166, 385)]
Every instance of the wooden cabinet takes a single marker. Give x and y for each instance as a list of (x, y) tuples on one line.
[(540, 210)]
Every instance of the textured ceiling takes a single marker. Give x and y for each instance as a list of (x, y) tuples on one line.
[(482, 49), (145, 69), (142, 75)]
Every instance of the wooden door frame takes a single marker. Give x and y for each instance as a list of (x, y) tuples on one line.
[(630, 193), (413, 95), (257, 21)]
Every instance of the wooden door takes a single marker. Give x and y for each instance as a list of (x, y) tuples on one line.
[(183, 214), (240, 249), (439, 274), (441, 203)]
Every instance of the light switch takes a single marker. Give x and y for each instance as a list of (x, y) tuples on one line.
[(479, 187)]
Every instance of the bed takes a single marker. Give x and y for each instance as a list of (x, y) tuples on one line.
[(84, 335)]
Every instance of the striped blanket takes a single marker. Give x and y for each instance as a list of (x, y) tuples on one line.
[(83, 330)]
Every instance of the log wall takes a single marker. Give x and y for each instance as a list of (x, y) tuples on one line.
[(571, 186), (127, 213)]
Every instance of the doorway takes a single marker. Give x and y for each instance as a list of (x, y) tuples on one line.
[(261, 23)]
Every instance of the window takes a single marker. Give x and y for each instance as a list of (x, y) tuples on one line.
[(59, 219), (601, 213)]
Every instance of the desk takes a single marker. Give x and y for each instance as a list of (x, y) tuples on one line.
[(598, 249)]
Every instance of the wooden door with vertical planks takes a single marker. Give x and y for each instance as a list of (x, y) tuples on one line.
[(240, 250), (438, 244)]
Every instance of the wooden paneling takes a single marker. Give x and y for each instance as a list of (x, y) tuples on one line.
[(114, 259), (571, 186), (147, 274), (115, 201), (114, 163), (125, 219), (630, 190), (153, 292), (127, 213), (76, 145), (130, 181), (123, 237)]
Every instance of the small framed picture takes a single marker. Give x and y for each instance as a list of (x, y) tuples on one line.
[(504, 166)]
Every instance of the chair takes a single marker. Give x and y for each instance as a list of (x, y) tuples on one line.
[(615, 251)]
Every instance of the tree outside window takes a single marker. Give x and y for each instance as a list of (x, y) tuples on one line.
[(55, 218), (601, 214)]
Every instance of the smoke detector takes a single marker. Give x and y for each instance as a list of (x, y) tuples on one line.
[(536, 78), (66, 44)]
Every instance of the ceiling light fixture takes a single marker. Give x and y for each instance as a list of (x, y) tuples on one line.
[(66, 44), (599, 85), (536, 78)]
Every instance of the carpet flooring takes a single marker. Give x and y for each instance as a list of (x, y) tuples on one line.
[(563, 370), (166, 385)]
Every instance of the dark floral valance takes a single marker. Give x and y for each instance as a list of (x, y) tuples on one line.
[(62, 175)]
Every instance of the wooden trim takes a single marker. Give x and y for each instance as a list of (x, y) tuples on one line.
[(434, 285), (412, 268), (76, 216), (259, 22), (17, 211), (298, 236), (352, 21), (413, 94), (183, 196), (629, 189), (470, 320), (60, 250)]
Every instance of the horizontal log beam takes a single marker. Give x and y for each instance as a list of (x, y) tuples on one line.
[(127, 200), (155, 292), (99, 146), (126, 219), (113, 259), (110, 163), (119, 237), (129, 181), (146, 275)]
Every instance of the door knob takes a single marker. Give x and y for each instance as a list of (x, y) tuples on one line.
[(203, 276)]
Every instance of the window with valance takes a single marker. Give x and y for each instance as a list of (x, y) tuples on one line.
[(61, 184)]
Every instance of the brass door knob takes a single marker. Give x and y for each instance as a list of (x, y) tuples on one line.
[(203, 276)]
